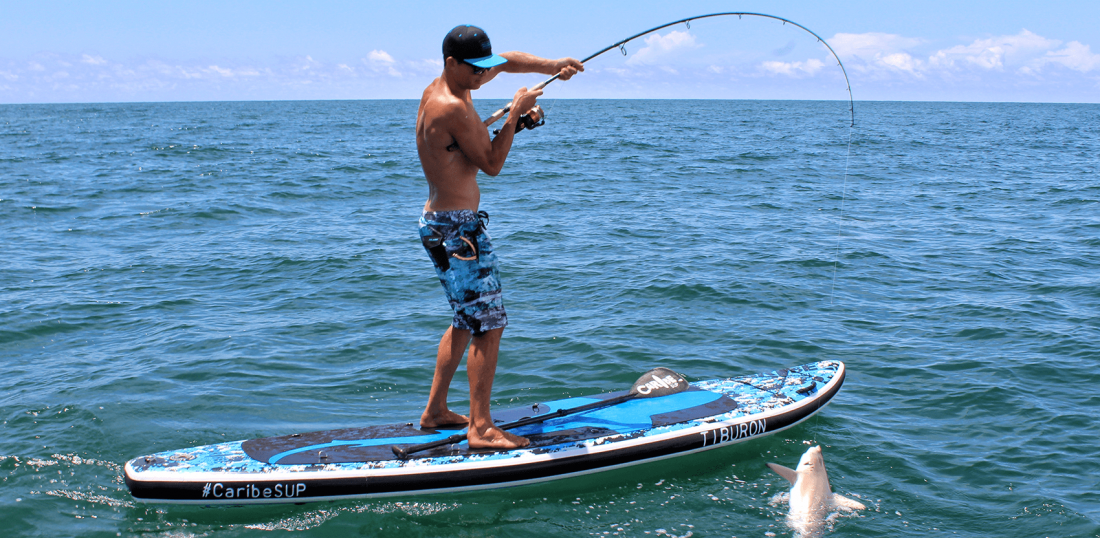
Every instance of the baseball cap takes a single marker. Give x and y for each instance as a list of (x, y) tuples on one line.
[(470, 44)]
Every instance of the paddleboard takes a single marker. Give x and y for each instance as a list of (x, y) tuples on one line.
[(360, 462)]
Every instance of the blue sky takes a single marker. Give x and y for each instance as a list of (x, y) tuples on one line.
[(63, 51)]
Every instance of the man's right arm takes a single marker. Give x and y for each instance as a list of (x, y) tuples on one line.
[(522, 62), (467, 129)]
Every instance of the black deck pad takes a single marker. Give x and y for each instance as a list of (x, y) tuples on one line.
[(373, 443), (717, 407), (264, 449)]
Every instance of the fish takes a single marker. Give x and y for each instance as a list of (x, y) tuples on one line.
[(812, 501)]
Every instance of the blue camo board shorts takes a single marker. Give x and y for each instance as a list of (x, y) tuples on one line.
[(464, 261)]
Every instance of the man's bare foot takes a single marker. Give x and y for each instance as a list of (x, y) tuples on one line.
[(495, 438), (446, 418)]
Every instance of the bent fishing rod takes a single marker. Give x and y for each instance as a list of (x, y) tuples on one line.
[(537, 117), (621, 45)]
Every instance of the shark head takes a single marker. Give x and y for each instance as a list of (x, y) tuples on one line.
[(812, 475), (811, 497)]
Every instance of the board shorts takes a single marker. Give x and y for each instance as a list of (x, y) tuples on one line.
[(464, 261)]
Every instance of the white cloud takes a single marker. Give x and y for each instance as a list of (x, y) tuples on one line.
[(871, 44), (896, 66), (901, 61), (309, 63), (663, 47), (230, 72), (65, 78), (995, 52), (809, 67), (1075, 56), (380, 56), (878, 52), (429, 67), (221, 71), (93, 60), (882, 56), (380, 61)]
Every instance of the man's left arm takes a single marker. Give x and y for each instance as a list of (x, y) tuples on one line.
[(521, 62)]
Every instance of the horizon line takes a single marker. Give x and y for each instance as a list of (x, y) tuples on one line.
[(548, 98)]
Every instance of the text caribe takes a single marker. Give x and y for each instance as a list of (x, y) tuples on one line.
[(668, 382), (252, 491)]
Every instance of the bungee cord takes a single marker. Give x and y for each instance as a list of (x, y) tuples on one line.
[(621, 45)]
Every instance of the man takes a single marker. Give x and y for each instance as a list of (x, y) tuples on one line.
[(453, 145)]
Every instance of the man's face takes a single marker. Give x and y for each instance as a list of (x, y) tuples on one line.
[(478, 71), (477, 75), (468, 75)]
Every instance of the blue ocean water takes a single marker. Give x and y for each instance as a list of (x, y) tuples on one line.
[(180, 274)]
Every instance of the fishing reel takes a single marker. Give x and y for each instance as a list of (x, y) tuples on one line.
[(533, 118)]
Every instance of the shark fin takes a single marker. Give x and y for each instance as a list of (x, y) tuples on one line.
[(845, 503), (785, 472)]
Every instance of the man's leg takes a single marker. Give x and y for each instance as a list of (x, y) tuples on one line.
[(451, 347), (481, 366)]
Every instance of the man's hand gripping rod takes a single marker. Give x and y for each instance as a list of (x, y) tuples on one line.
[(500, 113)]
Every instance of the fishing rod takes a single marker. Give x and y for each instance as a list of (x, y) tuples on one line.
[(532, 121), (537, 117)]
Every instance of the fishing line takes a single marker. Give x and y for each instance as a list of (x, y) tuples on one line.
[(621, 46), (840, 220)]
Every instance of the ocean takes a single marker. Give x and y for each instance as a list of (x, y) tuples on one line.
[(178, 274)]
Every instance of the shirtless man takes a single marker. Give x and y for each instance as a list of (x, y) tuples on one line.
[(453, 145)]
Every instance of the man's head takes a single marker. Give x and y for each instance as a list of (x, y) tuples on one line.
[(470, 44)]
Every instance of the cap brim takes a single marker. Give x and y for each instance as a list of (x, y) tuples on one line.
[(487, 61)]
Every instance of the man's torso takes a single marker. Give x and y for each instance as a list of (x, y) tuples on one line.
[(452, 178)]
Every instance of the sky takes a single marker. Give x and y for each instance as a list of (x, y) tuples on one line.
[(233, 50)]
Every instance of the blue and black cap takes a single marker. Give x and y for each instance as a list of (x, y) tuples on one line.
[(470, 44)]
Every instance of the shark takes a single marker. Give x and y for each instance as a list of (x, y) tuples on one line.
[(812, 501)]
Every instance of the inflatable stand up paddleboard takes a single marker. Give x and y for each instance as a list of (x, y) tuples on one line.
[(362, 462)]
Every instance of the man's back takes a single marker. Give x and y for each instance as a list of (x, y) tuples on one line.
[(452, 178)]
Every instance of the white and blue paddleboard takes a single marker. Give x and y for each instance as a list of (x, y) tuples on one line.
[(360, 462)]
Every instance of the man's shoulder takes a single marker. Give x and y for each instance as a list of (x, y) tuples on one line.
[(445, 107), (438, 102)]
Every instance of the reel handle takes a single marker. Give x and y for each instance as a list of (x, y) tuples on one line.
[(500, 113), (534, 118)]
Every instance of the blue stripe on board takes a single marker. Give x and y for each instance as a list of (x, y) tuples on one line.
[(628, 416), (632, 415), (362, 443)]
